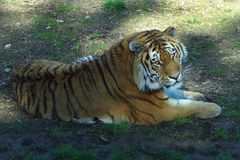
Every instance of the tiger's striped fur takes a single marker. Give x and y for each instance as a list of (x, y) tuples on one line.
[(126, 83)]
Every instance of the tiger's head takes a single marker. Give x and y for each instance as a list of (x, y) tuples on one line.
[(158, 59)]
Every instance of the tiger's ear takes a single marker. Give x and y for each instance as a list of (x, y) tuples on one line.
[(171, 31), (135, 46)]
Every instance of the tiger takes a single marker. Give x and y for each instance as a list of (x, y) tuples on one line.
[(136, 81)]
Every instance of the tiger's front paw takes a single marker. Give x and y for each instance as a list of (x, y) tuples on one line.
[(196, 96), (210, 110)]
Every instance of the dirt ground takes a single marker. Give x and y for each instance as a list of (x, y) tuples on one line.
[(64, 30)]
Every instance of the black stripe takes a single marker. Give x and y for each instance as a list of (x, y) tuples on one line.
[(74, 95), (69, 102), (82, 86), (144, 34), (21, 91), (55, 70), (103, 78), (146, 68), (52, 92), (33, 93), (26, 68), (89, 73), (45, 99), (37, 113), (113, 60), (38, 72)]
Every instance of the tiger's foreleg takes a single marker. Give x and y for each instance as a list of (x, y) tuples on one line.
[(183, 94), (185, 108)]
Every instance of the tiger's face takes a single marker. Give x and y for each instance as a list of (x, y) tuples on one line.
[(158, 60)]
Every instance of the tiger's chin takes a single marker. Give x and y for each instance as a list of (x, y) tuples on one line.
[(176, 85)]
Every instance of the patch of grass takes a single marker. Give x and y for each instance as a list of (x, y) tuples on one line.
[(116, 156), (67, 152), (236, 43), (96, 47), (227, 10), (94, 35), (77, 46), (152, 135), (233, 109), (223, 157), (237, 134), (209, 44), (142, 5), (12, 1), (57, 132), (110, 5), (192, 57), (16, 125), (195, 20), (133, 153), (116, 129), (219, 72), (170, 155), (64, 8), (220, 134), (31, 157), (181, 121)]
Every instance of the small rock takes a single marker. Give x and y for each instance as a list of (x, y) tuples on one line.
[(60, 21), (87, 17), (48, 27), (18, 24), (7, 70), (7, 46)]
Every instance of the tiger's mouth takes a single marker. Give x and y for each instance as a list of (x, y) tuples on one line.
[(177, 84)]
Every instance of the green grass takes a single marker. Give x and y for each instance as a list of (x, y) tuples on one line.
[(192, 57), (220, 134), (194, 20), (97, 47), (181, 121), (12, 1), (116, 129), (67, 152), (116, 156), (110, 5), (219, 72), (233, 109), (142, 5), (236, 43), (57, 132), (31, 157), (237, 134), (16, 125), (223, 157), (209, 45), (170, 155), (94, 35), (63, 8)]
